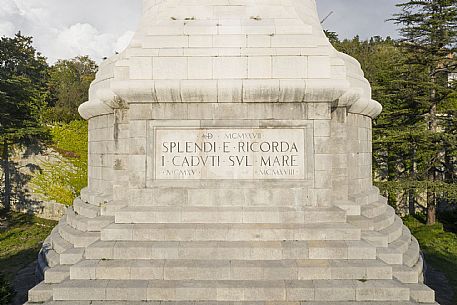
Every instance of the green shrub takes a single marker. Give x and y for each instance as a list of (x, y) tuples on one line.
[(70, 140), (59, 181), (6, 291), (62, 181)]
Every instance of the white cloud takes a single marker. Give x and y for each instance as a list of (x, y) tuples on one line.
[(123, 41), (57, 33), (64, 29), (6, 28), (83, 39), (7, 13), (9, 7)]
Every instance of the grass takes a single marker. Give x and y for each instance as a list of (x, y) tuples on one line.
[(439, 247), (63, 180), (21, 241)]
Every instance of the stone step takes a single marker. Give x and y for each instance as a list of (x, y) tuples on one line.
[(78, 238), (377, 223), (230, 232), (394, 231), (397, 254), (411, 256), (376, 239), (41, 293), (234, 250), (384, 220), (406, 232), (235, 193), (324, 215), (421, 293), (197, 214), (367, 197), (172, 269), (71, 256), (402, 243), (324, 249), (276, 291), (374, 194), (85, 209), (361, 222), (409, 275), (85, 224), (350, 207), (111, 208), (383, 200), (58, 243), (56, 275), (225, 303), (51, 257), (390, 256), (93, 197), (374, 209), (204, 250)]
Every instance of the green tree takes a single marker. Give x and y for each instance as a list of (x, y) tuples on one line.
[(429, 37), (69, 87), (382, 62), (23, 74), (401, 142)]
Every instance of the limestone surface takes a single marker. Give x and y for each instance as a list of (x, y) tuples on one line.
[(230, 164)]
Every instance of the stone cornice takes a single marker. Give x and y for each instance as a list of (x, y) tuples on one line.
[(207, 53)]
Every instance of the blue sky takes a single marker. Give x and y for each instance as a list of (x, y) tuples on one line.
[(65, 29)]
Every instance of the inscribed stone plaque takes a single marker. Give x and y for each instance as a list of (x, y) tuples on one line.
[(230, 153)]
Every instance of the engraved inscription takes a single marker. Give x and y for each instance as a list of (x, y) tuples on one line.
[(229, 153)]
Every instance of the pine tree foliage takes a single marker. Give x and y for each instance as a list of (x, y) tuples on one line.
[(410, 158), (429, 41), (23, 75)]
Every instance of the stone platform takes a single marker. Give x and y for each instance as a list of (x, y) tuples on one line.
[(261, 255)]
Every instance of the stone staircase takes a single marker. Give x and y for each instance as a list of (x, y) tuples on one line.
[(232, 255)]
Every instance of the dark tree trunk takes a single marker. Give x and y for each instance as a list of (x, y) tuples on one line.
[(449, 166), (412, 203), (391, 174), (412, 192), (6, 172), (433, 127), (431, 208)]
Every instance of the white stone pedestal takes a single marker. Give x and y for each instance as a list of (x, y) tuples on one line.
[(230, 164)]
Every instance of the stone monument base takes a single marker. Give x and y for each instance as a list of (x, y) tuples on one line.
[(230, 150), (330, 258)]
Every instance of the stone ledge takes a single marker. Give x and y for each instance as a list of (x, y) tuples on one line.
[(179, 269), (318, 290), (227, 303), (230, 232)]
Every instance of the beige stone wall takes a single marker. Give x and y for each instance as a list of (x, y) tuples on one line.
[(144, 189), (339, 151), (108, 161), (100, 154), (360, 148), (338, 154)]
